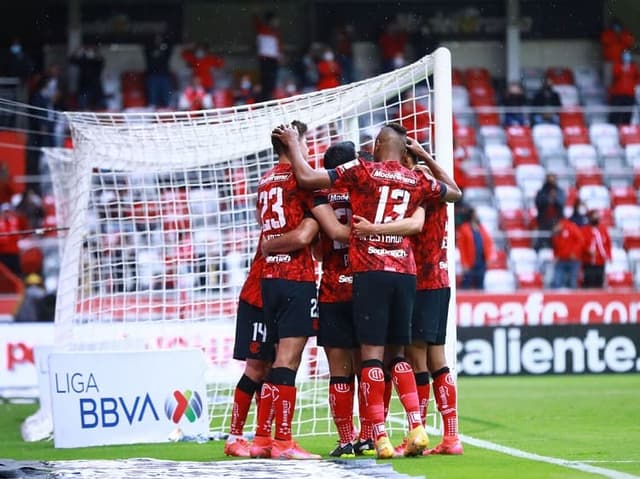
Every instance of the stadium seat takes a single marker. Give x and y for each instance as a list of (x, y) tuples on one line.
[(223, 98), (546, 130), (498, 260), (559, 76), (488, 216), (588, 176), (460, 96), (622, 195), (486, 118), (582, 156), (523, 260), (586, 77), (499, 281), (569, 96), (457, 77), (619, 261), (603, 132), (519, 136), (571, 117), (525, 155), (475, 176), (512, 219), (627, 217), (575, 135), (482, 95), (532, 80), (633, 255), (492, 135), (632, 155), (629, 134), (530, 179), (530, 280), (476, 196), (631, 242), (595, 196), (498, 156), (477, 76), (619, 279), (618, 176), (465, 136), (503, 177), (508, 198)]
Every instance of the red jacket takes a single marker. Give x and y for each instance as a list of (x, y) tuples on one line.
[(625, 77), (202, 66), (467, 247), (597, 245), (613, 44), (567, 241), (328, 74)]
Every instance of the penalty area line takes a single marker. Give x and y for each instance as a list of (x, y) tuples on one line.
[(578, 465)]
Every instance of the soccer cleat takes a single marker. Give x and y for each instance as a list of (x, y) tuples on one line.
[(417, 441), (450, 445), (384, 448), (261, 447), (343, 451), (237, 448), (400, 448), (364, 448), (290, 450)]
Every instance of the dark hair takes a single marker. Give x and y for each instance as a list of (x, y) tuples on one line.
[(397, 127), (278, 146), (339, 154)]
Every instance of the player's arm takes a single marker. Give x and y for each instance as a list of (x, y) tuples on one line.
[(293, 240), (406, 226), (453, 192), (306, 176), (330, 224)]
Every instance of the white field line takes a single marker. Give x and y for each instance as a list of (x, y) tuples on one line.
[(578, 465)]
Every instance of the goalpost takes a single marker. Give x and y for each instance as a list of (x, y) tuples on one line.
[(160, 210)]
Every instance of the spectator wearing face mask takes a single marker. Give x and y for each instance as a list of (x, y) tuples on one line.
[(597, 251), (622, 90), (245, 94), (202, 63), (579, 214), (90, 64), (18, 63), (328, 71), (614, 40)]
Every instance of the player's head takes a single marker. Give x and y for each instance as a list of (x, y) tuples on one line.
[(338, 154), (302, 128), (391, 143)]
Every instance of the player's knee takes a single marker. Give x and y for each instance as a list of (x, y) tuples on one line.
[(257, 370)]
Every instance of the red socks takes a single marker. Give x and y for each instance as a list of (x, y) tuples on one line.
[(372, 377), (341, 396), (444, 389), (242, 396), (422, 383), (405, 383)]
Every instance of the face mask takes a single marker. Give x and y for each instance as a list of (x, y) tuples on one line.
[(582, 210), (199, 53), (398, 62), (245, 85), (626, 57), (291, 88), (328, 57), (16, 48)]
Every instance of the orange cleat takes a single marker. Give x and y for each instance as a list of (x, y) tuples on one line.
[(290, 450), (417, 441), (384, 449), (237, 448), (261, 447), (450, 445)]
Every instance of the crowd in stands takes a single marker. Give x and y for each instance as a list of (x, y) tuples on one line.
[(519, 225)]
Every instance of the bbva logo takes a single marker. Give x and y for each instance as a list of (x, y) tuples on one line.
[(179, 404)]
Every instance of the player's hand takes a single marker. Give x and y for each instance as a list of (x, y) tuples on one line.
[(362, 226), (264, 248), (424, 169), (286, 134), (416, 148)]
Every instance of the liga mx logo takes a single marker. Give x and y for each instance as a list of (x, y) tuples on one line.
[(179, 404)]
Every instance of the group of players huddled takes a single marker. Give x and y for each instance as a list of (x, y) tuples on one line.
[(381, 309)]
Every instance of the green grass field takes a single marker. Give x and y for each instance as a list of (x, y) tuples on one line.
[(594, 420)]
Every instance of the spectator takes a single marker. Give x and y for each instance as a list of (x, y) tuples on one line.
[(343, 46), (41, 127), (11, 227), (195, 96), (476, 250), (579, 213), (328, 71), (622, 90), (158, 55), (202, 62), (90, 64), (597, 251), (29, 206), (269, 53), (567, 241), (614, 40), (7, 188), (18, 63), (514, 100), (392, 42), (32, 304), (550, 201), (245, 94), (548, 99)]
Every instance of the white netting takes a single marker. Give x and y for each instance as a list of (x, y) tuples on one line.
[(160, 210)]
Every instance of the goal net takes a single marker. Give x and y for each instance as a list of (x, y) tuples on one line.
[(160, 209)]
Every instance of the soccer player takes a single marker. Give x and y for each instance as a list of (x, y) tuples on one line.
[(431, 308), (384, 281), (289, 301), (251, 333)]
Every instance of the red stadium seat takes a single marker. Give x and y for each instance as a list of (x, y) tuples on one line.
[(518, 238), (606, 217), (623, 195), (482, 96), (631, 241), (477, 76), (504, 177), (134, 99), (589, 176), (498, 261), (525, 155), (571, 117), (488, 119), (629, 134), (530, 280), (572, 196), (132, 81), (457, 77), (559, 75), (519, 136), (512, 219), (465, 136), (575, 135), (619, 279), (476, 176)]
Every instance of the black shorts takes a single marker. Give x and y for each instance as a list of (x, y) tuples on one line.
[(251, 335), (290, 307), (382, 307), (430, 314), (336, 325)]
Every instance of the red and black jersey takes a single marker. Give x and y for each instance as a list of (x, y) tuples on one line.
[(336, 282), (281, 208), (430, 249), (250, 292), (381, 193)]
